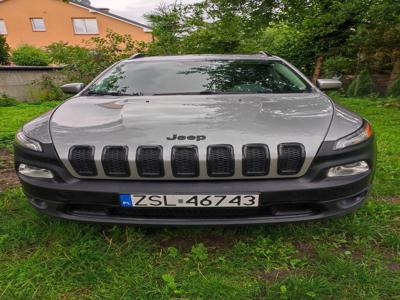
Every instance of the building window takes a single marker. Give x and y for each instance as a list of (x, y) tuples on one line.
[(38, 24), (3, 29), (85, 26)]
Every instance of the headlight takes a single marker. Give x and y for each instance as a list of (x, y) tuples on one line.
[(26, 142), (35, 133), (361, 135)]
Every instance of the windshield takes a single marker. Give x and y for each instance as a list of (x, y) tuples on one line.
[(198, 77)]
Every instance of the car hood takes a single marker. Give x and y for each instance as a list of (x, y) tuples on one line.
[(217, 119)]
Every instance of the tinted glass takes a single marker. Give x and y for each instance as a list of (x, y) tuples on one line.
[(181, 77)]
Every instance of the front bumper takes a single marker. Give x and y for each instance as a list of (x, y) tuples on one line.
[(311, 197)]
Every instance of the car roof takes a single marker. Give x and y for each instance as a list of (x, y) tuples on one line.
[(258, 56)]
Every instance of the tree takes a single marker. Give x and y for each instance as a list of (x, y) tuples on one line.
[(4, 50)]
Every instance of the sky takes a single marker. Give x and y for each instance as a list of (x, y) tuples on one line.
[(133, 9)]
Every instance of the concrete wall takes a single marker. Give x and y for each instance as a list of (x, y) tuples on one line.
[(16, 81)]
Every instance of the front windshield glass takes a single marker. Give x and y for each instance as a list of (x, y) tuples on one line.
[(198, 77)]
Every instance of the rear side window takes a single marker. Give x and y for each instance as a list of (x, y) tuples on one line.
[(182, 77)]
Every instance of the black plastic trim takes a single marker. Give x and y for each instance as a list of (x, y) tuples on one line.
[(196, 161), (91, 161), (160, 162), (231, 170), (267, 160), (281, 159), (106, 166)]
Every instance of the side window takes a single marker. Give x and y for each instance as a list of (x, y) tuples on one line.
[(3, 29), (38, 24), (287, 75), (85, 26)]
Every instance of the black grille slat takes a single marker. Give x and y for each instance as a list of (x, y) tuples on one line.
[(82, 160), (149, 161), (220, 161), (185, 161), (291, 158), (255, 160), (115, 161)]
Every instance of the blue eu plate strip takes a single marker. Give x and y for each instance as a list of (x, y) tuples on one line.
[(126, 200)]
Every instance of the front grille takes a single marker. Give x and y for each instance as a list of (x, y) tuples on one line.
[(255, 160), (149, 161), (291, 158), (115, 161), (82, 160), (220, 161), (185, 161)]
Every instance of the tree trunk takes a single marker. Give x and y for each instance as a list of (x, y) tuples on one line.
[(317, 68), (395, 74)]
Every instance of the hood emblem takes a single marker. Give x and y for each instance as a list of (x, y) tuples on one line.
[(189, 138)]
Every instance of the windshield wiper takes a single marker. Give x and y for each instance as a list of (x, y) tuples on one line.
[(186, 93), (93, 93)]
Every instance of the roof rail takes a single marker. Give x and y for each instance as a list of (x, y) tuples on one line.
[(265, 53), (136, 55)]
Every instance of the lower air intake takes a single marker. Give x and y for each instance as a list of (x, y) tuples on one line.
[(115, 161), (220, 161), (185, 161), (149, 161), (291, 158), (82, 160)]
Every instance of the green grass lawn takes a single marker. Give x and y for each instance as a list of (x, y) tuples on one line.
[(353, 257)]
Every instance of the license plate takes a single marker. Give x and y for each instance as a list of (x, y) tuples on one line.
[(127, 200)]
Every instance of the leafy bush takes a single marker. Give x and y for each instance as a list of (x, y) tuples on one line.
[(351, 88), (46, 89), (82, 64), (27, 55), (394, 88), (338, 65), (6, 101), (362, 86), (4, 50)]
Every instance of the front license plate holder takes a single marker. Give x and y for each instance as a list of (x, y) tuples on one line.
[(189, 201)]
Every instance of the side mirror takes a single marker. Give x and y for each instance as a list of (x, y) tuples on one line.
[(72, 88), (329, 84)]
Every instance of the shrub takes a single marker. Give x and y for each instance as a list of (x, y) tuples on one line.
[(362, 86), (338, 65), (394, 88), (27, 55), (4, 50), (6, 101), (85, 63), (46, 89), (351, 88)]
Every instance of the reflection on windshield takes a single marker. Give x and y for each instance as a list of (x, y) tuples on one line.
[(198, 77)]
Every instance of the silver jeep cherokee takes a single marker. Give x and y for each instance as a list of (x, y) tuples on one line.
[(197, 140)]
